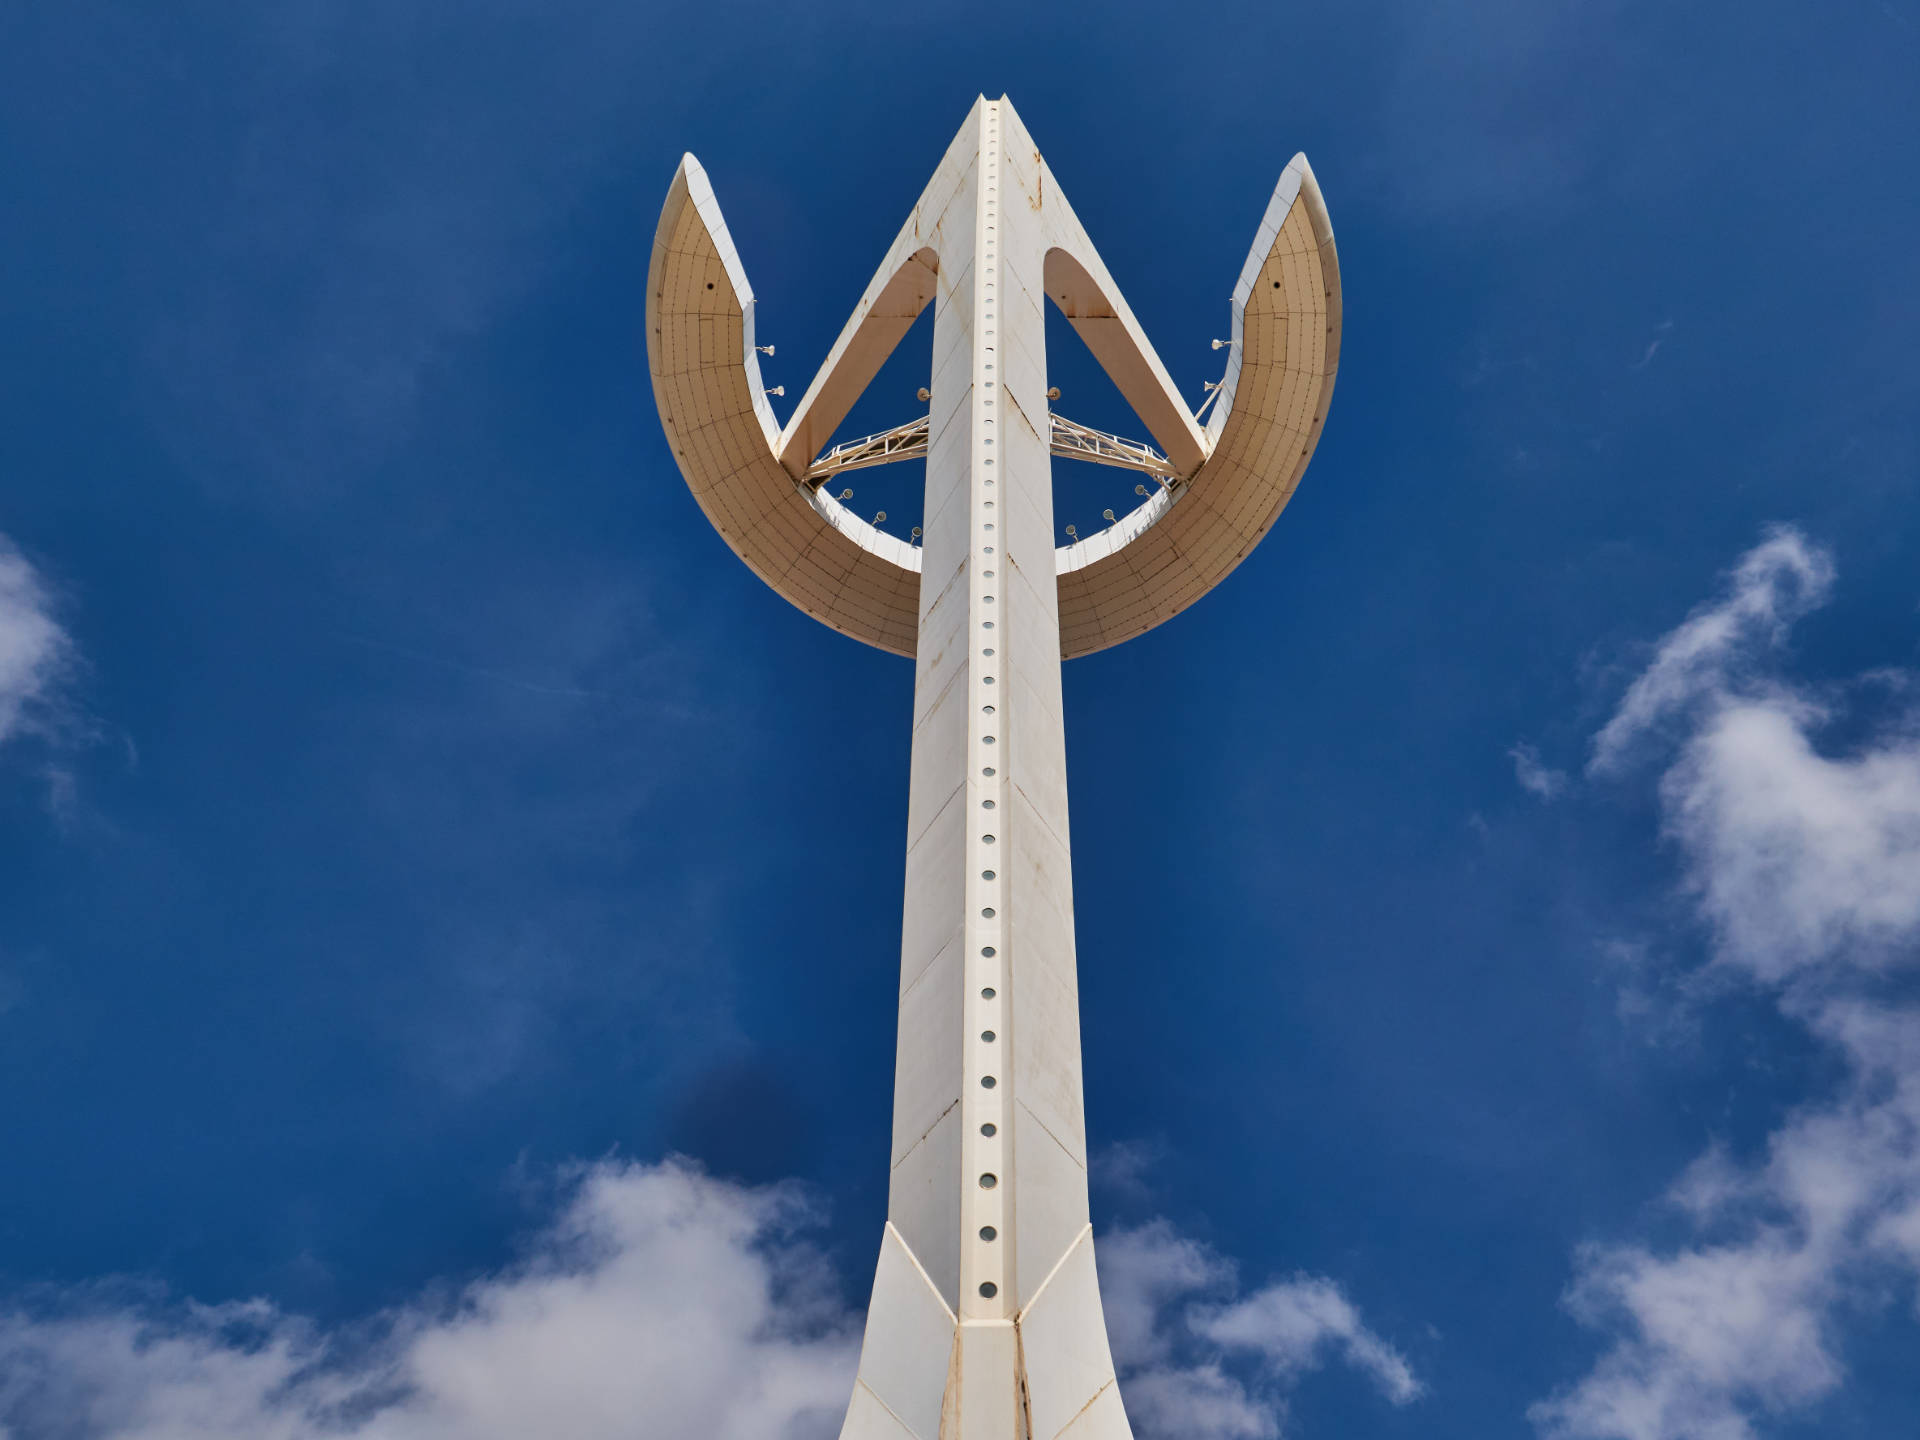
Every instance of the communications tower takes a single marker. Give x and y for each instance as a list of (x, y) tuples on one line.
[(985, 1320)]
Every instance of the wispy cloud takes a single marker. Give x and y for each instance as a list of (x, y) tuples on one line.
[(39, 717), (1536, 777), (36, 653), (1805, 869), (1200, 1361), (1774, 584), (1293, 1325), (1660, 333), (1124, 1169), (659, 1298)]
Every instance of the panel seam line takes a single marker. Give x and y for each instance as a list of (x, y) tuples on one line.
[(1065, 1255)]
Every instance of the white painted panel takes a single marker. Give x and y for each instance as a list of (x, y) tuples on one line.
[(904, 1362), (1063, 1337), (868, 1419), (942, 655), (1041, 860), (988, 1405), (926, 1081), (1104, 1419), (931, 920), (923, 1202), (1053, 1201), (1045, 1029), (1043, 764)]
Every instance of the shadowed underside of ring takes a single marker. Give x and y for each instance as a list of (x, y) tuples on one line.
[(1218, 487)]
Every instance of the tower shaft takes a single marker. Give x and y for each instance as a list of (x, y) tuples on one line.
[(985, 1321)]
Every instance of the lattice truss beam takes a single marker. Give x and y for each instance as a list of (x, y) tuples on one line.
[(1065, 437)]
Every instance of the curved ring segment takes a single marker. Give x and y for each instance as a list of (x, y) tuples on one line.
[(1158, 560), (1146, 568), (706, 380)]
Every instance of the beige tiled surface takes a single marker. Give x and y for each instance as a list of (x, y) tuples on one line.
[(706, 379), (1287, 320)]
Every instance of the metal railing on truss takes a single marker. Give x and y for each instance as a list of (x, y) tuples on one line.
[(1081, 442), (1064, 438), (903, 442)]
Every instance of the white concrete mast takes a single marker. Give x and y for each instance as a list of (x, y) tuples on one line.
[(987, 1212), (985, 1321)]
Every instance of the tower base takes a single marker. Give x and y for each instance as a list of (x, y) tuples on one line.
[(1045, 1374)]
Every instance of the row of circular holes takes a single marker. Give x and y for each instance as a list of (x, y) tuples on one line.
[(988, 1180)]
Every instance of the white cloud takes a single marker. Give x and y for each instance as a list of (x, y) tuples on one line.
[(1805, 867), (660, 1301), (1660, 333), (1144, 1272), (1801, 861), (1774, 584), (1122, 1168), (1178, 1330), (1535, 777), (1291, 1325), (1200, 1401), (1745, 1322), (35, 651)]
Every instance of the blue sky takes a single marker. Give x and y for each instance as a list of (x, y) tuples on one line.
[(1499, 903)]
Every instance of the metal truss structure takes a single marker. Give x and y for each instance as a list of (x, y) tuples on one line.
[(1082, 442), (1065, 438), (902, 442)]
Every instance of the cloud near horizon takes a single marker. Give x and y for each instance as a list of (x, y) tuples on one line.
[(657, 1294), (657, 1297), (1803, 865)]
